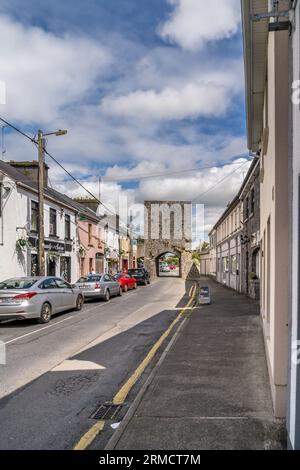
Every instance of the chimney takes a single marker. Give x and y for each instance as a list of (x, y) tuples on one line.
[(90, 203), (31, 170)]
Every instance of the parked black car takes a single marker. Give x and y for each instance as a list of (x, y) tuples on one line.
[(141, 275)]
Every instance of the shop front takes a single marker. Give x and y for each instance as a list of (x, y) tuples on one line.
[(58, 257)]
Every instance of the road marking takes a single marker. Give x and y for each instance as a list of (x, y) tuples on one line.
[(120, 397), (90, 436), (75, 364), (40, 329)]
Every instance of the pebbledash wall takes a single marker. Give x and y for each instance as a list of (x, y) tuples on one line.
[(168, 228), (16, 223)]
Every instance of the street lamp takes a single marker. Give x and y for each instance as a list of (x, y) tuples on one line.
[(41, 186)]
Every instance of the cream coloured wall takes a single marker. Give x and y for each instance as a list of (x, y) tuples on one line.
[(274, 218)]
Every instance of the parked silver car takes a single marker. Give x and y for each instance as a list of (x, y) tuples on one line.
[(101, 286), (37, 297)]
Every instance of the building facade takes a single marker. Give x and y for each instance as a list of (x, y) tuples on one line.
[(228, 246), (266, 53), (293, 421), (91, 237), (250, 237), (19, 226)]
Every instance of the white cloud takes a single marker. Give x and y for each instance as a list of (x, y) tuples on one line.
[(196, 22), (191, 101), (44, 72)]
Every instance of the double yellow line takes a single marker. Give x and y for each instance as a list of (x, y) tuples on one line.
[(121, 395)]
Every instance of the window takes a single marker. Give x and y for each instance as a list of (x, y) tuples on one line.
[(247, 208), (252, 200), (48, 284), (63, 284), (225, 264), (67, 227), (52, 225), (34, 217), (233, 264), (90, 228)]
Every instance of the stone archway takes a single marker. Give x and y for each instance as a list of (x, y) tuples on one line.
[(172, 272), (168, 229)]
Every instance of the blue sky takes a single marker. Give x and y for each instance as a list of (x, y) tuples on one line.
[(143, 87)]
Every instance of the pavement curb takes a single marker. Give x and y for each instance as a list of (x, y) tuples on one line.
[(112, 443)]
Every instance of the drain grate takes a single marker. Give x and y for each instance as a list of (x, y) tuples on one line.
[(106, 411)]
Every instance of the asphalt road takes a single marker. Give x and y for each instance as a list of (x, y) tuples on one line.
[(57, 374)]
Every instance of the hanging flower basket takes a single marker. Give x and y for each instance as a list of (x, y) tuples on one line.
[(23, 243), (81, 251), (53, 256)]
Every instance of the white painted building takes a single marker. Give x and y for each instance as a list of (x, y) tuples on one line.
[(228, 246), (19, 227)]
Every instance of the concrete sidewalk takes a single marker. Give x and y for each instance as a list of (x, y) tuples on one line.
[(211, 391)]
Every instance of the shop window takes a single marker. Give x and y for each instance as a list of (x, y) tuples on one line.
[(65, 268), (34, 270)]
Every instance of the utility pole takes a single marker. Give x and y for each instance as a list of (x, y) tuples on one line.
[(41, 184), (41, 188)]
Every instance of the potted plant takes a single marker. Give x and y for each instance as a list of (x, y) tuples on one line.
[(253, 277), (107, 252)]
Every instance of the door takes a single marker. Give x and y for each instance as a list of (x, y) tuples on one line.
[(112, 285), (51, 293), (51, 267), (130, 283), (66, 295)]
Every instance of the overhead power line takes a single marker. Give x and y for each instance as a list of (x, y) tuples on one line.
[(219, 182), (139, 177), (32, 140)]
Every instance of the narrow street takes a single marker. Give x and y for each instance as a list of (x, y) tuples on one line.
[(57, 375)]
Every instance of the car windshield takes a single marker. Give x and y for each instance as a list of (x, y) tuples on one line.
[(135, 271), (17, 284), (118, 276), (90, 279)]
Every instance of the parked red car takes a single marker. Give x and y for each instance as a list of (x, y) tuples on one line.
[(126, 281)]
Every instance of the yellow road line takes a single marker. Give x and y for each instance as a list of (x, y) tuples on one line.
[(120, 397), (89, 436)]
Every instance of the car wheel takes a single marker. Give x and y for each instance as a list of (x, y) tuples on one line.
[(107, 295), (79, 303), (126, 288), (120, 292), (46, 313)]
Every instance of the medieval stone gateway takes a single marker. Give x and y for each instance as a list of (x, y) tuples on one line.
[(168, 229)]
